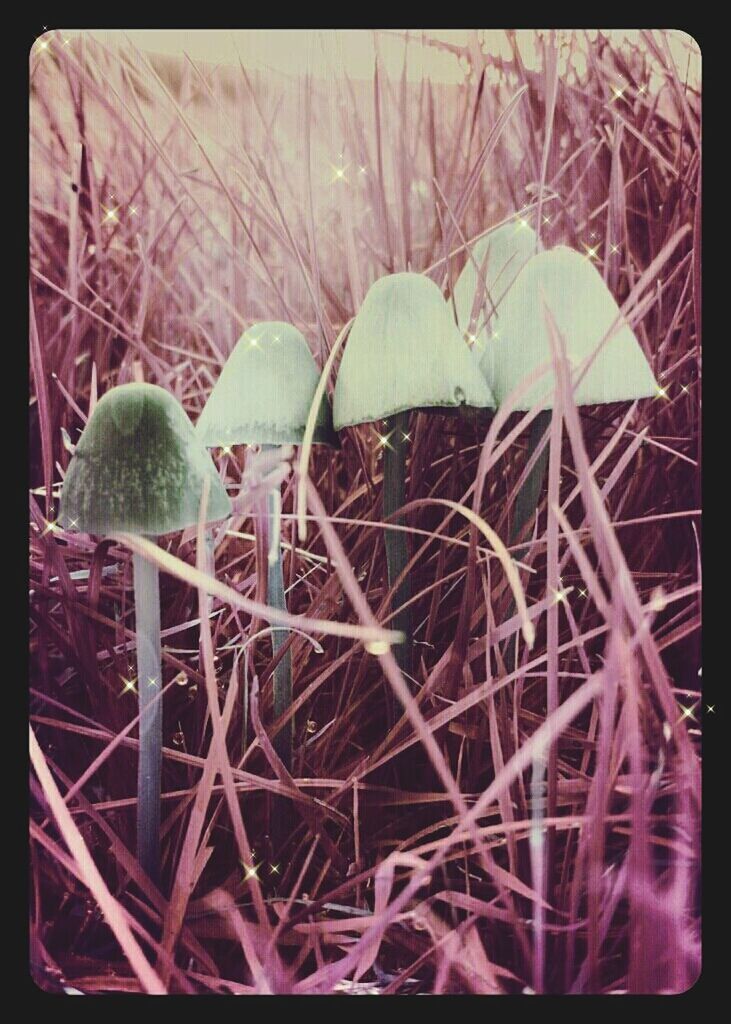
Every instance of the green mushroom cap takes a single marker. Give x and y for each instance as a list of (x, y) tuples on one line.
[(584, 310), (265, 392), (508, 249), (405, 352), (139, 468)]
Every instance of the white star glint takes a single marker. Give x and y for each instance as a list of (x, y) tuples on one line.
[(384, 440), (250, 872), (339, 173), (110, 215), (50, 527), (688, 712)]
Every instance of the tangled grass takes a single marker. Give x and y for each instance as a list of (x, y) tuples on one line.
[(531, 823)]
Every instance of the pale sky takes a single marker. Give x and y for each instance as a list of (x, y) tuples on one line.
[(295, 51)]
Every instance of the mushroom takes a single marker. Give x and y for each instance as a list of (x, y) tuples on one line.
[(496, 261), (584, 310), (404, 352), (263, 397), (138, 468)]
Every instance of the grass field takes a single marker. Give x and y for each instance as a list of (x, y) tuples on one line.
[(531, 822)]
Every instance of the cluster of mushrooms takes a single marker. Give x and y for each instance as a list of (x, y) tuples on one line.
[(140, 466)]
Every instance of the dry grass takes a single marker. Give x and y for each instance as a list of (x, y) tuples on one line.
[(172, 205)]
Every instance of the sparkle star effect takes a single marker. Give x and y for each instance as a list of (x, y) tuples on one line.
[(110, 215), (250, 872), (711, 709), (614, 249), (591, 251), (559, 595), (50, 527), (129, 686), (274, 869), (688, 712), (339, 173), (662, 393), (384, 440), (151, 681)]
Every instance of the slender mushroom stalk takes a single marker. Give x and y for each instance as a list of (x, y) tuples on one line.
[(404, 352), (138, 468), (486, 278), (284, 739), (149, 669), (584, 311), (397, 556), (263, 397)]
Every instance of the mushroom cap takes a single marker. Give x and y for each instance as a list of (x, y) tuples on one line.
[(405, 352), (139, 467), (584, 310), (508, 249), (265, 391)]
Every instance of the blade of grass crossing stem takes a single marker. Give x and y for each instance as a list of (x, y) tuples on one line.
[(282, 679), (149, 684)]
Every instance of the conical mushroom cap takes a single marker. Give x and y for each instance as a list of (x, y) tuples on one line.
[(508, 249), (265, 391), (405, 352), (584, 310), (139, 468)]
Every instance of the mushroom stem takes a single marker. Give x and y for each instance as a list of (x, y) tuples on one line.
[(210, 568), (394, 497), (527, 502), (529, 494), (282, 682), (149, 684)]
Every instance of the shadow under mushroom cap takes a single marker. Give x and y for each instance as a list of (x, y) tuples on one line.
[(404, 352), (139, 468)]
